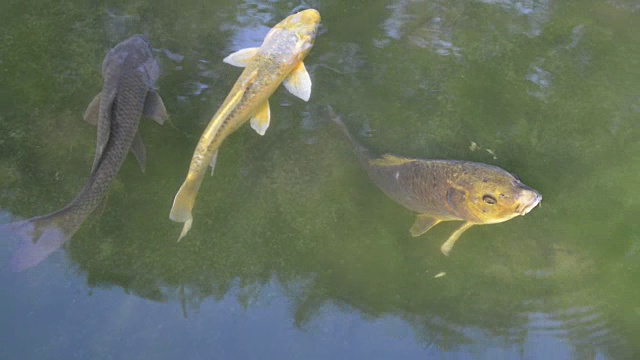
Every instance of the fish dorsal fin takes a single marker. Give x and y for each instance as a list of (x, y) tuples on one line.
[(242, 57), (213, 161), (229, 105), (154, 107), (448, 245), (260, 121), (298, 82), (423, 224), (93, 111), (138, 150), (389, 160), (104, 124)]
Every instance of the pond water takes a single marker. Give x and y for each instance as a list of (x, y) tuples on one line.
[(294, 252)]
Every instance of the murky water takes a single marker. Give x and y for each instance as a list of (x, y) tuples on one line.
[(294, 252)]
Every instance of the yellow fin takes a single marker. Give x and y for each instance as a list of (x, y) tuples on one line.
[(423, 224), (228, 106), (182, 205), (238, 95), (298, 82), (213, 161), (389, 160), (242, 57), (448, 245), (185, 228), (260, 121), (249, 80)]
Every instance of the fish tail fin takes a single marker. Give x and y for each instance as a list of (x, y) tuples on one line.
[(183, 204), (362, 151), (39, 237)]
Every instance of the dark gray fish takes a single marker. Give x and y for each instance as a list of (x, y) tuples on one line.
[(129, 71)]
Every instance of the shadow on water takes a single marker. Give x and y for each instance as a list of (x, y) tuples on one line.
[(542, 94)]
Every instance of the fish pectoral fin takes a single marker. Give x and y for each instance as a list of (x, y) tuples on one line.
[(448, 245), (212, 163), (242, 57), (389, 160), (154, 107), (260, 121), (93, 111), (138, 150), (422, 224), (299, 82)]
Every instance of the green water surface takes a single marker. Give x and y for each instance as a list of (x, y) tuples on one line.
[(294, 253)]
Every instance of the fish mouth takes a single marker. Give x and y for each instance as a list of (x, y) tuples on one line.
[(525, 208)]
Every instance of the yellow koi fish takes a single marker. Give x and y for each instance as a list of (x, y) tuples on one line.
[(446, 190), (277, 60)]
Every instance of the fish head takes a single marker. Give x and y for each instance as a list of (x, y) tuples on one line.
[(486, 194), (132, 54), (302, 28)]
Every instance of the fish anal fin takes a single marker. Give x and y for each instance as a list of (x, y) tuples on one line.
[(139, 151), (448, 245), (422, 224), (299, 82), (93, 111), (260, 121), (242, 57), (389, 160), (154, 107)]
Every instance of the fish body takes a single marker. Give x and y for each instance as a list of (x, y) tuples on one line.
[(129, 71), (447, 190), (278, 60)]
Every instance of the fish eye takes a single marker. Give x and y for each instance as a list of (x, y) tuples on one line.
[(489, 200)]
